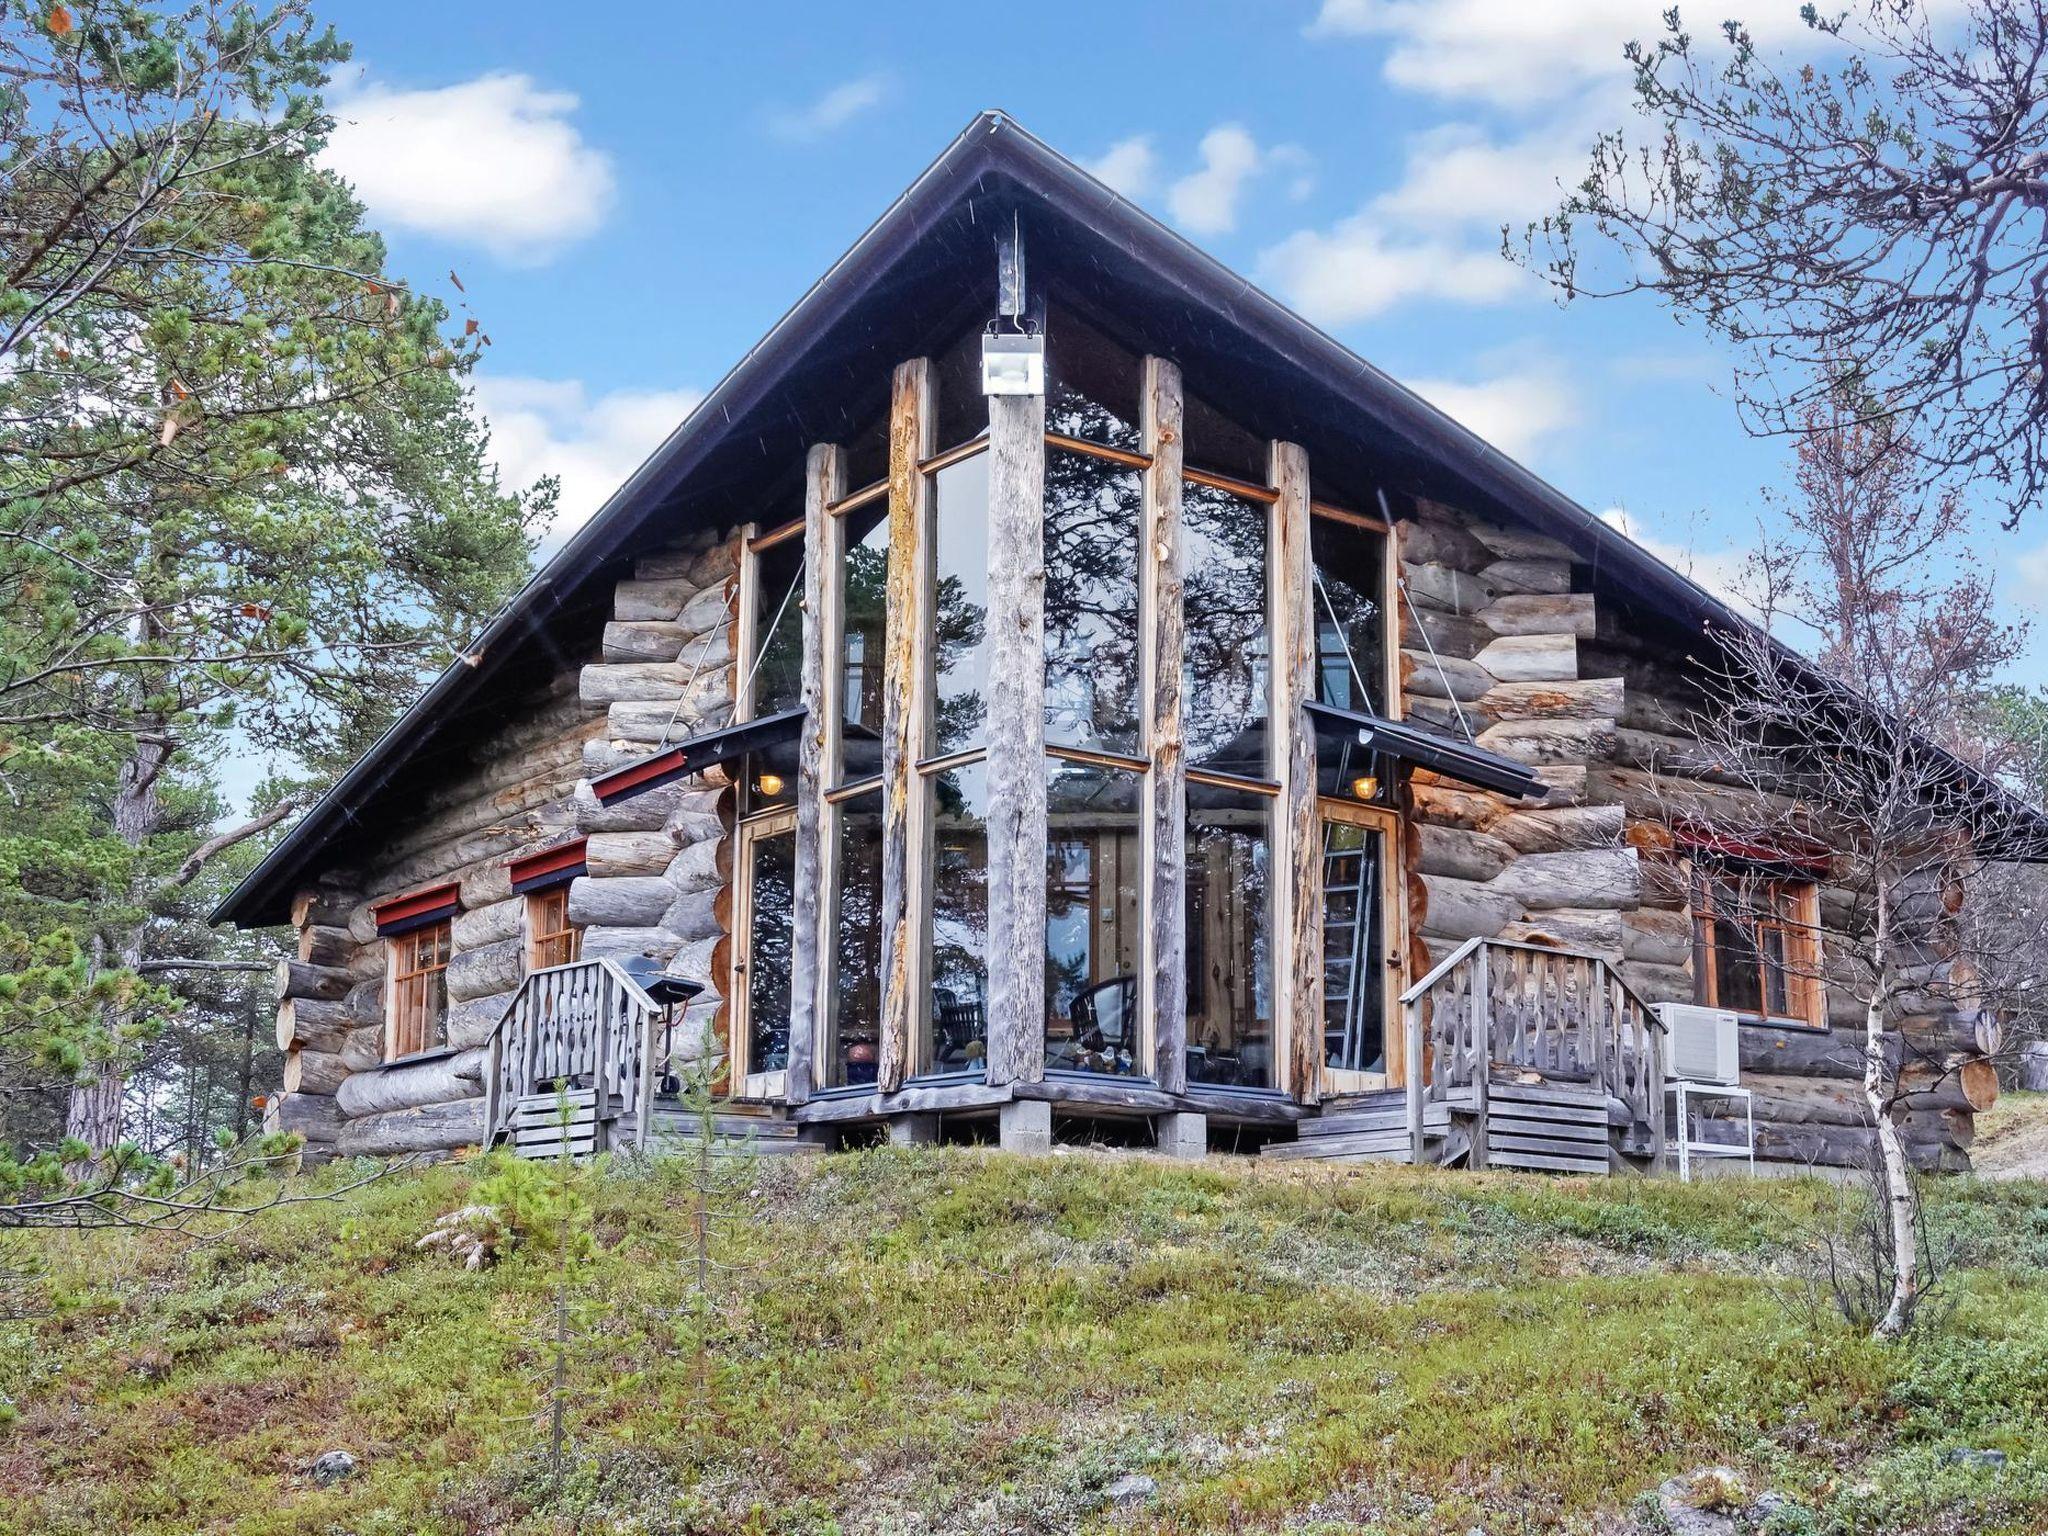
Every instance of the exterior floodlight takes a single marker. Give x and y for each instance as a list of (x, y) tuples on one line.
[(1012, 364)]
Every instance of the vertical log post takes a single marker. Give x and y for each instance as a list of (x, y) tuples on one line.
[(1016, 733), (905, 728), (817, 754), (1163, 989), (1298, 911)]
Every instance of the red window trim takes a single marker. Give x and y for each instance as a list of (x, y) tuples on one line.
[(401, 914), (550, 866), (1807, 859)]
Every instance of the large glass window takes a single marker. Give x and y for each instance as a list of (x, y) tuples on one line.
[(852, 1050), (768, 869), (960, 408), (864, 605), (959, 925), (1093, 931), (1350, 613), (1230, 1033), (1093, 512), (778, 658), (1224, 670), (960, 605)]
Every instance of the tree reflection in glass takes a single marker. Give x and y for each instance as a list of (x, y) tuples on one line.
[(1229, 938), (864, 596), (959, 930), (1092, 937), (853, 1050), (771, 947), (1225, 667), (1092, 519), (960, 605)]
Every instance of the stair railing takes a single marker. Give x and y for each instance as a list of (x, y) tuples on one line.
[(1564, 1014), (586, 1024)]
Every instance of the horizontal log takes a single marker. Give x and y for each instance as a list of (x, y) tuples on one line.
[(654, 721), (659, 599), (363, 1047), (314, 1117), (1446, 587), (647, 811), (645, 640), (1569, 613), (1460, 852), (1551, 741), (318, 906), (1442, 539), (1531, 658), (636, 682), (656, 944), (1792, 1100), (1657, 937), (1447, 634), (433, 1128), (609, 855), (471, 1022), (1655, 983), (1949, 1127), (630, 901), (1561, 829), (1521, 543), (325, 944), (312, 1024), (1552, 576), (1808, 1052), (1459, 909), (1597, 698), (1595, 931), (1591, 877), (1441, 677), (1971, 1084), (492, 923), (481, 972), (409, 1085), (702, 865), (314, 1071), (696, 914), (301, 978), (1452, 805)]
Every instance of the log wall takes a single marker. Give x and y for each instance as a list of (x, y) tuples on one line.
[(657, 867)]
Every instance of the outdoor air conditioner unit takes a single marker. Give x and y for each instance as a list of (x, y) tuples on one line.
[(1703, 1043)]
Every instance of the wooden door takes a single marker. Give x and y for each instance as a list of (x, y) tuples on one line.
[(1363, 938)]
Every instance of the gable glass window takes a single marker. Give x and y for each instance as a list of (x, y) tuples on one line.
[(1756, 944), (417, 1014), (1093, 509), (1349, 557), (778, 623), (1230, 1025), (852, 1049), (1224, 667), (1094, 387), (1093, 924), (957, 957), (551, 939), (864, 642), (960, 605)]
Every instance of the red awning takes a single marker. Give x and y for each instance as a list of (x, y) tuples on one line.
[(402, 914), (551, 866)]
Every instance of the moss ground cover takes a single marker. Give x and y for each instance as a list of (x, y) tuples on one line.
[(954, 1340)]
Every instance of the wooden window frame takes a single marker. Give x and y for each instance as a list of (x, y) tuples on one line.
[(401, 1009), (551, 943), (1793, 907)]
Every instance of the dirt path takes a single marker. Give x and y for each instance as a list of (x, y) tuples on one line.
[(2012, 1140)]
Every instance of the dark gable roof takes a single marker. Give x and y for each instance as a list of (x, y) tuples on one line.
[(919, 276)]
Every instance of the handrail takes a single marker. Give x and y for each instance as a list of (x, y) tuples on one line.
[(1568, 1011), (587, 1019)]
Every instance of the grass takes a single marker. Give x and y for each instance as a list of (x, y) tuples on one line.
[(2012, 1136), (952, 1340)]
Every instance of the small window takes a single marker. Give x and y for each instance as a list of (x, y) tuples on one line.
[(551, 939), (1756, 945), (418, 1015)]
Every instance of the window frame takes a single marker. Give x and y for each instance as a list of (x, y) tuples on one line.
[(778, 822), (539, 936), (1793, 904), (397, 980)]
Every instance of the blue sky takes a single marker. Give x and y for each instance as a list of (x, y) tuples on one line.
[(629, 206)]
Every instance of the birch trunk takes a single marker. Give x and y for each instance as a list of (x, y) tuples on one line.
[(1899, 1197)]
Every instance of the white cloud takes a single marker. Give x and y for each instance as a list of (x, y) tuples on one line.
[(2032, 570), (493, 162), (1129, 166), (555, 427), (832, 111), (1458, 173), (1206, 200), (1517, 410), (1361, 269)]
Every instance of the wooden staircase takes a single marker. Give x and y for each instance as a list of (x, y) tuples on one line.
[(734, 1132), (1361, 1128), (570, 1065)]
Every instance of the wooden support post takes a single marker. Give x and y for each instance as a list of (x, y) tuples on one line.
[(1413, 1055), (905, 726), (1480, 1062), (1298, 908), (1016, 732), (1163, 987), (817, 765)]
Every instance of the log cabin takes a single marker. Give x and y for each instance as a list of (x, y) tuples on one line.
[(1048, 688)]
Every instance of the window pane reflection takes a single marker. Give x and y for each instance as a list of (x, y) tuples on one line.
[(1350, 623), (779, 627), (1092, 938), (771, 947), (1092, 517), (865, 603), (1093, 386), (1224, 672), (959, 928), (960, 656), (1354, 971), (853, 1047), (1229, 938)]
